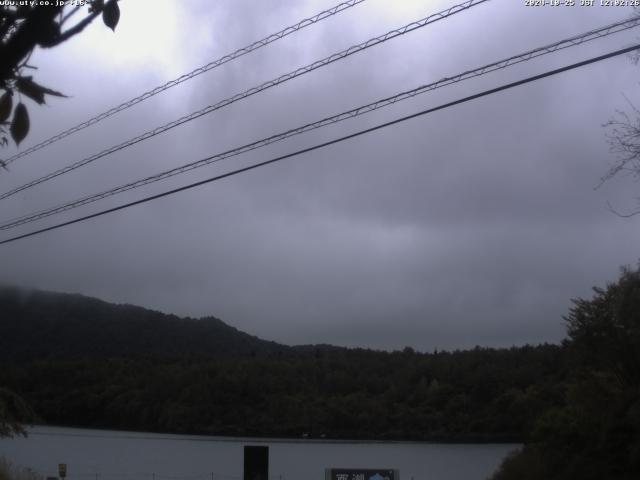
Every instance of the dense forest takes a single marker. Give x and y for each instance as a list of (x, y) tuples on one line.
[(594, 433), (83, 362)]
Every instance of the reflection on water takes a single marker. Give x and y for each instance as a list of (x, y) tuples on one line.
[(112, 455)]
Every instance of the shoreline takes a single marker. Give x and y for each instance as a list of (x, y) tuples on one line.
[(134, 434)]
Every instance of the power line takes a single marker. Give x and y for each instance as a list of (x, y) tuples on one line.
[(188, 76), (501, 64), (331, 142), (252, 91)]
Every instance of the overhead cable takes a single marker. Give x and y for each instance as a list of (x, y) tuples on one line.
[(370, 107), (252, 91), (188, 76), (331, 142)]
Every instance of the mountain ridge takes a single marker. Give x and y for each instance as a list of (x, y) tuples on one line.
[(43, 324), (80, 361)]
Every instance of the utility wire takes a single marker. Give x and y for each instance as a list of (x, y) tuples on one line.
[(501, 64), (188, 76), (331, 142), (252, 91)]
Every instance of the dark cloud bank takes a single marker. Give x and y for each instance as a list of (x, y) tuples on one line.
[(475, 225)]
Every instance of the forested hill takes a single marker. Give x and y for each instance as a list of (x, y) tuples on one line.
[(39, 325), (83, 362)]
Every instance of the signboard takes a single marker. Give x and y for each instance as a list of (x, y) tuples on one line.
[(361, 474), (62, 470)]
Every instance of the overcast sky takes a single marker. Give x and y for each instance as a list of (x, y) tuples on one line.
[(475, 225)]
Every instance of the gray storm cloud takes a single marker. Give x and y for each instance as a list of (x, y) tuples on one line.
[(472, 226)]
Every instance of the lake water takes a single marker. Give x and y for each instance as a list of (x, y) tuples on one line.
[(113, 455)]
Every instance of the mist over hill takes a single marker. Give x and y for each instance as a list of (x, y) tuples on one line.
[(80, 361), (40, 325)]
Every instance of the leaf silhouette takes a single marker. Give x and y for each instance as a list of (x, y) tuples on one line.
[(20, 124), (111, 14), (96, 6), (34, 90), (6, 104)]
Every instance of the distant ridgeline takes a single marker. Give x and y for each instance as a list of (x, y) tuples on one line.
[(40, 325), (79, 361)]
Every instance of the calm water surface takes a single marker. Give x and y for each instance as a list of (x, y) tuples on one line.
[(113, 455)]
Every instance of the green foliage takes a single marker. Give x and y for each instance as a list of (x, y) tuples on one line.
[(11, 472), (83, 362), (349, 394), (604, 332), (23, 27), (595, 432), (14, 412), (523, 464)]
